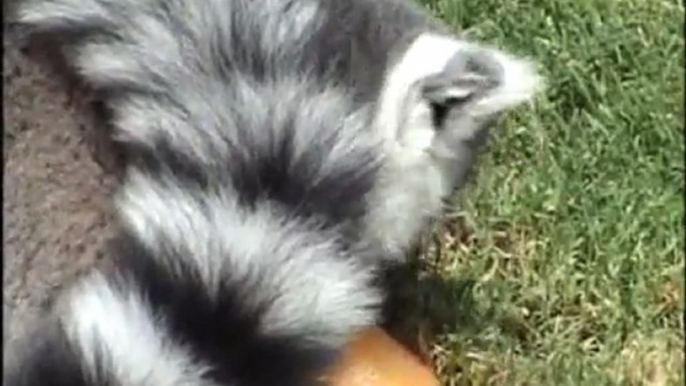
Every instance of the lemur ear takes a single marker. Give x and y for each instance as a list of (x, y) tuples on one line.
[(518, 82), (489, 80), (445, 72)]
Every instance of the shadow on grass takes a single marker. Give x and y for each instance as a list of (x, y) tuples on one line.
[(422, 305)]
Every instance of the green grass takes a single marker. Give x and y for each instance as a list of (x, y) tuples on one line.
[(564, 264)]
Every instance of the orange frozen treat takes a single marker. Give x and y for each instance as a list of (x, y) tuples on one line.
[(375, 359)]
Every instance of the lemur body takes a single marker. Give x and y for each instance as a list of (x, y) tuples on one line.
[(279, 152)]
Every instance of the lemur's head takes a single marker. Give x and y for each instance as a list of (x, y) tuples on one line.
[(442, 93)]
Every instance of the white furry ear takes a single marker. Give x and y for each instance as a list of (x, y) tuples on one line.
[(518, 81), (445, 72), (427, 55), (483, 80)]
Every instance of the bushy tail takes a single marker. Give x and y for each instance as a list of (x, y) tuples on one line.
[(257, 285), (207, 287), (204, 292)]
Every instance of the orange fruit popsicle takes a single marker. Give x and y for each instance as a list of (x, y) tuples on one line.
[(375, 359)]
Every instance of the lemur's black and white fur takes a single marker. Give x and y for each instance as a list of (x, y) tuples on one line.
[(279, 151)]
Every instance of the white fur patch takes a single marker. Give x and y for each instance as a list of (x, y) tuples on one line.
[(427, 55), (412, 187), (116, 332), (55, 14)]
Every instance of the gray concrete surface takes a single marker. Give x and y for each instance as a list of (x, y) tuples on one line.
[(56, 199)]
